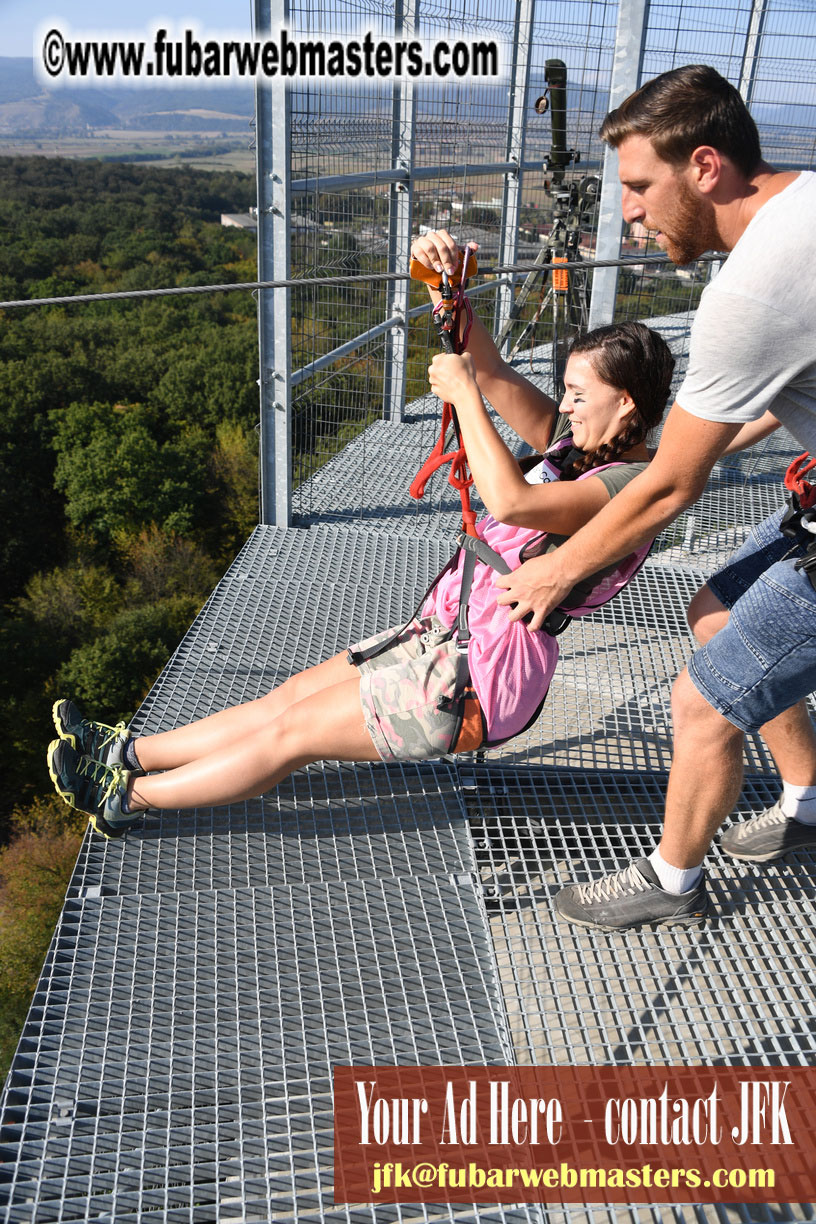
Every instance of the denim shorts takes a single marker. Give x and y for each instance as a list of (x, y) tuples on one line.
[(764, 660)]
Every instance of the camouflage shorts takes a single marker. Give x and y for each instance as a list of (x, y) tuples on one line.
[(400, 692)]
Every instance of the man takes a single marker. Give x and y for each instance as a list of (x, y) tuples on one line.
[(691, 168)]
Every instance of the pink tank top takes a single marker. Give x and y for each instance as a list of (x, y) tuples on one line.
[(510, 667)]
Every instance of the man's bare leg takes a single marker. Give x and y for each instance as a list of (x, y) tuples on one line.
[(704, 785), (705, 778), (707, 769)]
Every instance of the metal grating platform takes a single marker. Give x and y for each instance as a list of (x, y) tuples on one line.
[(209, 969), (738, 990), (184, 1065), (322, 825)]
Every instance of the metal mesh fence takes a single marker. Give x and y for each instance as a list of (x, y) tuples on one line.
[(361, 154), (767, 49)]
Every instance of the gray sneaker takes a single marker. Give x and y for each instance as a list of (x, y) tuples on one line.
[(92, 787), (631, 897), (768, 836), (96, 740)]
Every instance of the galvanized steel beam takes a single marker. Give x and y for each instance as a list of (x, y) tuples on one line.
[(400, 212), (633, 16), (272, 118), (516, 126), (750, 55)]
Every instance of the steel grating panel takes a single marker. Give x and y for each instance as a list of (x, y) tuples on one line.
[(249, 637), (177, 1061), (737, 990), (770, 456), (743, 489), (332, 823), (705, 1213), (339, 554), (368, 481), (707, 533)]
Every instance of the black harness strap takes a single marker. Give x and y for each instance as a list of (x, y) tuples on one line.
[(554, 623), (801, 513), (796, 521), (357, 657)]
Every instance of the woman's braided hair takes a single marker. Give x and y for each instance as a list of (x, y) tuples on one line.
[(629, 357)]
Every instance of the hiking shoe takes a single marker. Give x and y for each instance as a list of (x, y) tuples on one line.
[(91, 787), (768, 836), (631, 897), (92, 739)]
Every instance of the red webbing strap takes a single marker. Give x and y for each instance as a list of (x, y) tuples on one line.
[(795, 480), (458, 477)]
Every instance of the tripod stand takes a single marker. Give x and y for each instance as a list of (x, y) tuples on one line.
[(568, 291)]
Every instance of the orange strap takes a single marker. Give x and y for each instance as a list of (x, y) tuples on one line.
[(458, 478), (795, 480), (420, 272), (560, 276)]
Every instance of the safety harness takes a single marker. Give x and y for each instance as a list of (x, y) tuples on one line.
[(801, 513), (446, 317), (470, 732)]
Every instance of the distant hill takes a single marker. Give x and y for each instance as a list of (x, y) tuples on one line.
[(28, 109)]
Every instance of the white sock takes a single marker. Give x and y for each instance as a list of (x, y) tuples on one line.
[(799, 803), (674, 879)]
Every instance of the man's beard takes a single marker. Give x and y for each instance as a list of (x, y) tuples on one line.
[(691, 228)]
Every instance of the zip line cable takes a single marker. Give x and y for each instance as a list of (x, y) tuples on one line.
[(307, 282)]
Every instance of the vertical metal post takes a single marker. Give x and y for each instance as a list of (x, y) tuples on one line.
[(400, 213), (633, 16), (514, 151), (750, 55), (272, 112)]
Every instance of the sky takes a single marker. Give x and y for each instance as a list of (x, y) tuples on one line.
[(19, 19)]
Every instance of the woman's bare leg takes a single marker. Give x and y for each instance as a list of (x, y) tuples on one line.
[(169, 749), (325, 726)]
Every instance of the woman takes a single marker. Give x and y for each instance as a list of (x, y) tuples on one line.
[(397, 703)]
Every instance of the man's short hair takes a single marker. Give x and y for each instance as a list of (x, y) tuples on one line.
[(685, 108)]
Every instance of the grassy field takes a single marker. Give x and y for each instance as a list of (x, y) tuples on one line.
[(170, 149)]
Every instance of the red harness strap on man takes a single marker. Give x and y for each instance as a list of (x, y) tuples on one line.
[(447, 319), (801, 512), (795, 481)]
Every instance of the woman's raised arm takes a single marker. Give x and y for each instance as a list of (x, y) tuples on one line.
[(562, 506), (525, 408)]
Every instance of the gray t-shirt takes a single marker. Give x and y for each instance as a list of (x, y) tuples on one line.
[(753, 341)]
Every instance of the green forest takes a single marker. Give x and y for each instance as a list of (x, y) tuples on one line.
[(130, 459), (129, 477)]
